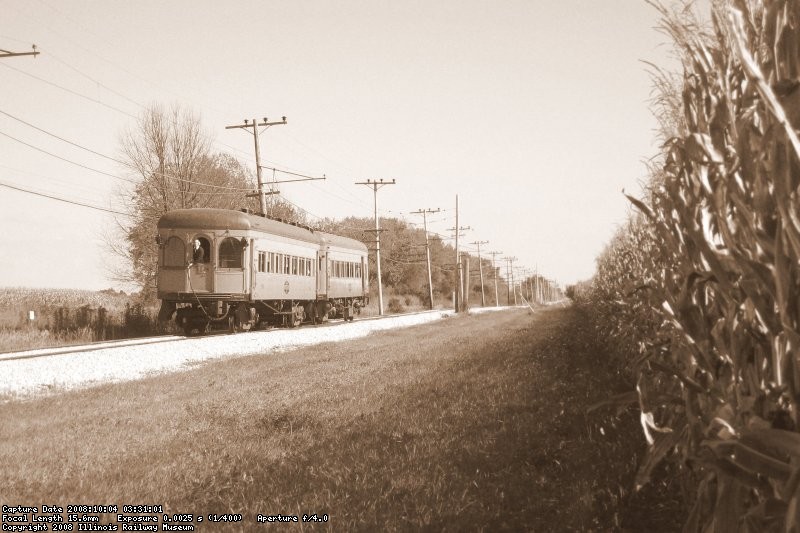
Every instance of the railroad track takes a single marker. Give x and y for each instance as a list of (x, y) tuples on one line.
[(105, 345)]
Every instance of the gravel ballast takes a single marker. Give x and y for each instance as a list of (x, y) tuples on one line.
[(33, 376)]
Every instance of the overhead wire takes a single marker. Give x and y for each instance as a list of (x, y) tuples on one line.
[(162, 174), (65, 159), (48, 82), (61, 138), (358, 201), (59, 184), (94, 100), (65, 200)]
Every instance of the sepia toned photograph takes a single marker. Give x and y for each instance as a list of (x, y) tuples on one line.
[(523, 265)]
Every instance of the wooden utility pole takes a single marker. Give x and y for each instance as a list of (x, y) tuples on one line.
[(465, 262), (424, 213), (510, 275), (375, 185), (6, 53), (262, 194), (459, 277), (480, 268), (494, 271)]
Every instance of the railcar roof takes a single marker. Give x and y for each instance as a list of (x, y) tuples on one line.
[(342, 242), (216, 219)]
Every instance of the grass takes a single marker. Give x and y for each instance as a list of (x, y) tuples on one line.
[(470, 423), (25, 339)]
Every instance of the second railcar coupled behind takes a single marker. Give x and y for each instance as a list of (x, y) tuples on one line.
[(245, 270)]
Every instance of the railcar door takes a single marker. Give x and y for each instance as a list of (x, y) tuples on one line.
[(200, 271), (363, 273), (322, 275), (230, 272)]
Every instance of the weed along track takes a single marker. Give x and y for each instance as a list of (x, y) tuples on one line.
[(55, 370), (474, 422), (84, 348)]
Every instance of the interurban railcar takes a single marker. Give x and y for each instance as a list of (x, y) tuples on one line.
[(241, 270)]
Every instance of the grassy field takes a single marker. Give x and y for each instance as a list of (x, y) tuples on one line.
[(470, 423)]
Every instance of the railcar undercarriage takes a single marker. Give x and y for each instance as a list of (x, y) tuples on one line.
[(205, 315)]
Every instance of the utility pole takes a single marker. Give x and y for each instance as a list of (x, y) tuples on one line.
[(262, 202), (465, 262), (459, 278), (480, 267), (527, 283), (375, 185), (529, 273), (6, 53), (494, 271), (424, 213), (510, 275)]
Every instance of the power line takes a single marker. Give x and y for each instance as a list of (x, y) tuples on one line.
[(61, 138), (65, 159), (94, 100), (99, 83), (162, 174), (57, 198)]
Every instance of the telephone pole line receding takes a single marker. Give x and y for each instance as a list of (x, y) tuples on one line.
[(262, 202), (510, 275), (424, 212), (375, 185), (459, 277), (480, 267), (6, 53), (494, 273)]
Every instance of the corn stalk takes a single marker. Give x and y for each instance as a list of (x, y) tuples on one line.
[(702, 290)]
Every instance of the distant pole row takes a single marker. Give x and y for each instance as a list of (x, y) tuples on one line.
[(540, 292)]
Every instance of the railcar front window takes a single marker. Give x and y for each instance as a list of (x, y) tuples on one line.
[(174, 252), (230, 253), (201, 250)]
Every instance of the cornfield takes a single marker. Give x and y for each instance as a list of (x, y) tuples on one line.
[(700, 292), (65, 316)]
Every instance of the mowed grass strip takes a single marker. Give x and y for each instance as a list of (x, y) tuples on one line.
[(454, 425)]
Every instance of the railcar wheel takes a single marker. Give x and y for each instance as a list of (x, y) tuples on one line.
[(297, 316), (233, 327)]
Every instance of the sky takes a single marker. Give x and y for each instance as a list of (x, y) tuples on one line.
[(534, 112)]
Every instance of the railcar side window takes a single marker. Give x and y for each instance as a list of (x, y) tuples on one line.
[(263, 264), (230, 253), (174, 252)]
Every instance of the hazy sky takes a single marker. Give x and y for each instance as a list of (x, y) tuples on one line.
[(535, 112)]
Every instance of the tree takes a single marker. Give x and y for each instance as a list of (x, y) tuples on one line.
[(168, 156)]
